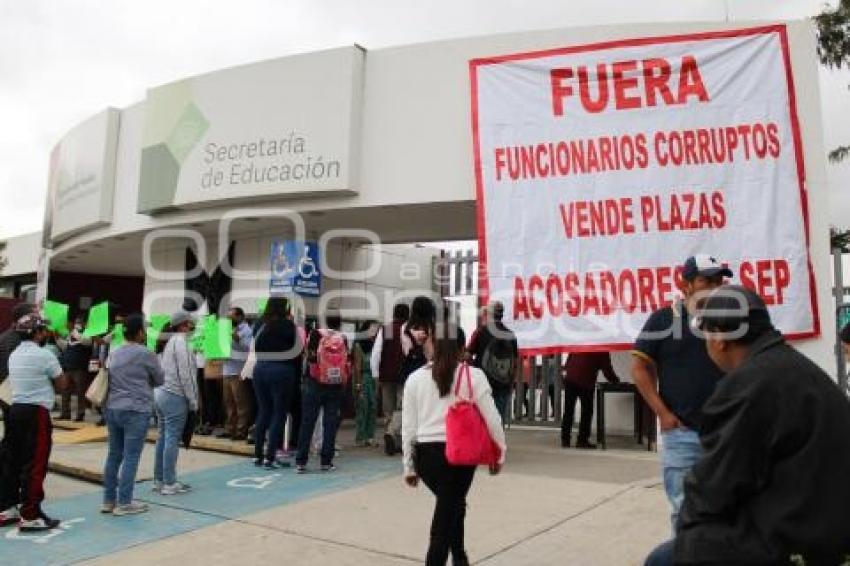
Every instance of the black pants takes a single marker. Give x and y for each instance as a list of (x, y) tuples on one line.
[(328, 398), (571, 394), (213, 402), (4, 408), (295, 413), (449, 484), (79, 385), (27, 445)]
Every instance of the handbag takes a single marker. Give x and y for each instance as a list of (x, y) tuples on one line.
[(251, 360), (189, 429), (6, 391), (99, 388), (468, 441)]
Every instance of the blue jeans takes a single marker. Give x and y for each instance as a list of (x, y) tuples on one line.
[(501, 396), (661, 556), (127, 432), (329, 398), (171, 413), (273, 382), (680, 450)]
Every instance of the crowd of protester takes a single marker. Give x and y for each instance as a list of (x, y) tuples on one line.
[(755, 437)]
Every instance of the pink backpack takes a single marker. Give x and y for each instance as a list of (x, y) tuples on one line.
[(332, 365)]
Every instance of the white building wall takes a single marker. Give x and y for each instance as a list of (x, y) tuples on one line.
[(400, 273)]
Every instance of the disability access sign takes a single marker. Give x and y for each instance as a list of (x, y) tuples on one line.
[(295, 268), (600, 168)]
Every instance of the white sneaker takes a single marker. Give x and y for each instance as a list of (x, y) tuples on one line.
[(175, 488), (43, 523), (133, 508), (10, 516)]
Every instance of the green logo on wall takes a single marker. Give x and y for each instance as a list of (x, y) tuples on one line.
[(173, 127)]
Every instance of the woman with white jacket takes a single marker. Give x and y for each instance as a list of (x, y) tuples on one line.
[(428, 394)]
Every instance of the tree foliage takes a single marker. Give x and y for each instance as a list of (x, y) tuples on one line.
[(834, 50), (3, 260)]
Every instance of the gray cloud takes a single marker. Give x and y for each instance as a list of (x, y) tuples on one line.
[(61, 62)]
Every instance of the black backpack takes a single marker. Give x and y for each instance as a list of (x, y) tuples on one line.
[(498, 361)]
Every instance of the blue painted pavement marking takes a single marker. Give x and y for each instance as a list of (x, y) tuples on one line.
[(218, 494)]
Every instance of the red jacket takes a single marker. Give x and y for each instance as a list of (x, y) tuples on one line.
[(582, 369)]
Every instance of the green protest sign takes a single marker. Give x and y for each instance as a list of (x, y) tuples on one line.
[(201, 327), (117, 336), (57, 314), (158, 321), (153, 336), (98, 322), (217, 338), (261, 305)]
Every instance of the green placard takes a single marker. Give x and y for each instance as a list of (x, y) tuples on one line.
[(117, 336), (98, 322), (153, 335), (217, 338), (57, 314), (201, 326), (261, 305), (158, 321)]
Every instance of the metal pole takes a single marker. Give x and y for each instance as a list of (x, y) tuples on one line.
[(838, 292)]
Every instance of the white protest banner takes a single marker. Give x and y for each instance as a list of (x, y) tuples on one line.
[(600, 168)]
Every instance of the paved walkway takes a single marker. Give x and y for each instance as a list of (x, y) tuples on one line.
[(550, 506)]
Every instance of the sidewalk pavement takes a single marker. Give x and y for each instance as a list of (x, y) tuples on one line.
[(549, 506)]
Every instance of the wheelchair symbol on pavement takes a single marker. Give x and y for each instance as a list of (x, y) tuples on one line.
[(253, 482)]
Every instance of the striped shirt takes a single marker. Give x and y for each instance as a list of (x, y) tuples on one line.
[(31, 371), (179, 366)]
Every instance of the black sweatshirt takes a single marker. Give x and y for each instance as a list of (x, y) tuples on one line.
[(775, 477)]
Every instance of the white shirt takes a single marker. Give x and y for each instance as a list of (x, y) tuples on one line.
[(32, 371), (378, 348), (424, 411)]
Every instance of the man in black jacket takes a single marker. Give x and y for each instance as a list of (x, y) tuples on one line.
[(773, 482)]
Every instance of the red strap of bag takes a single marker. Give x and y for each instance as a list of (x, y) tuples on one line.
[(464, 373)]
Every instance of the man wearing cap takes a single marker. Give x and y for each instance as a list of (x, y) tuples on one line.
[(776, 432), (32, 373), (675, 376)]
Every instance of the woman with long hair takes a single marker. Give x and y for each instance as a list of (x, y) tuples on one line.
[(414, 334), (134, 371), (428, 394), (277, 347)]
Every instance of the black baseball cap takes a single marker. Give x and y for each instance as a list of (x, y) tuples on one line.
[(734, 309), (703, 265)]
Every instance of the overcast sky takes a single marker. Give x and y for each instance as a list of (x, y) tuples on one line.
[(61, 62)]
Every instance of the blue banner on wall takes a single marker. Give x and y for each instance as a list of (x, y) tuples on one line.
[(295, 268)]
